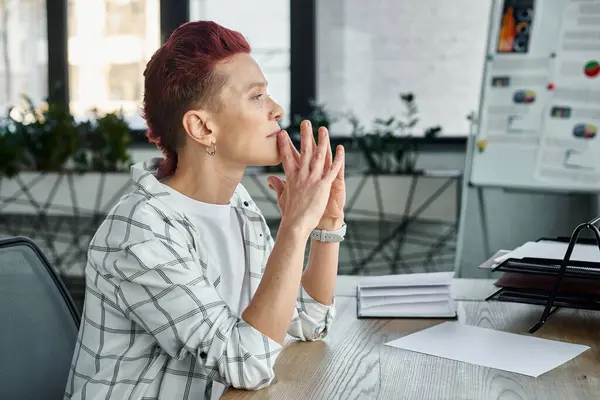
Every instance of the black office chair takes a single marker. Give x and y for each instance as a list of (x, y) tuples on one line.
[(38, 324)]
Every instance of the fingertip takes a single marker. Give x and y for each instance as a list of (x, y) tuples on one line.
[(286, 141), (339, 153)]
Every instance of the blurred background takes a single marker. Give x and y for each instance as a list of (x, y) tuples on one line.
[(395, 81)]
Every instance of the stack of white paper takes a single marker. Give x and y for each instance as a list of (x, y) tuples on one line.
[(409, 295), (551, 250)]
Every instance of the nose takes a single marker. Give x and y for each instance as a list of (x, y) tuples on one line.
[(277, 112)]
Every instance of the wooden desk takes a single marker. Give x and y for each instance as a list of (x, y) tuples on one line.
[(353, 363)]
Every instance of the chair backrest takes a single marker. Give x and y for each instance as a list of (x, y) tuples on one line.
[(38, 324)]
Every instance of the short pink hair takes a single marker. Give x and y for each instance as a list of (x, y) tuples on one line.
[(180, 76)]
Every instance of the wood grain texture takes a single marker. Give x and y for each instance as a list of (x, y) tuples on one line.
[(344, 365), (353, 363)]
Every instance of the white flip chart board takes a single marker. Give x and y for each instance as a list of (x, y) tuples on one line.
[(539, 112)]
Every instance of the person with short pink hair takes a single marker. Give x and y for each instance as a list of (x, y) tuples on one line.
[(187, 293)]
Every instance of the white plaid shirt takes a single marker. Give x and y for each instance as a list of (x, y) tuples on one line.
[(154, 325)]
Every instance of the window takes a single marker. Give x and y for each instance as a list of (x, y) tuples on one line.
[(266, 25), (110, 42), (369, 52), (125, 17), (72, 18), (124, 83), (23, 54)]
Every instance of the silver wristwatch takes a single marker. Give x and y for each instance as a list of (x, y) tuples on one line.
[(329, 236)]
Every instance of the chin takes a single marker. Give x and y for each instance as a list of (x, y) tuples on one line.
[(263, 155), (266, 160), (270, 162)]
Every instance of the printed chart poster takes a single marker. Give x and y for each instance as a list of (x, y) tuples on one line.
[(523, 38), (514, 35), (570, 146)]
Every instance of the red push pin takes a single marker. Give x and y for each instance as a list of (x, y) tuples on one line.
[(551, 86)]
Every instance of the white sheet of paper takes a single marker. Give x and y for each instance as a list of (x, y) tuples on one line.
[(552, 250), (367, 302), (505, 351), (435, 309), (492, 261)]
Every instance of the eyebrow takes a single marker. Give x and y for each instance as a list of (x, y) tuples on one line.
[(256, 84)]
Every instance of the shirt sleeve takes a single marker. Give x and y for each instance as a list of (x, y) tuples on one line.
[(312, 320), (163, 288)]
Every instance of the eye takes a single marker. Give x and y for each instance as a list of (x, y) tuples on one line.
[(258, 96)]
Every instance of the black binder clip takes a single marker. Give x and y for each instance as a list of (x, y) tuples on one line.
[(548, 310)]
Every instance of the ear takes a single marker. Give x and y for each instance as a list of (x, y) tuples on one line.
[(195, 123)]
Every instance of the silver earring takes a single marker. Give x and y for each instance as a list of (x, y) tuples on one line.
[(214, 150)]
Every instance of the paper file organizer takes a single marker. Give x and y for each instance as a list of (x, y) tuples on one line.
[(558, 282)]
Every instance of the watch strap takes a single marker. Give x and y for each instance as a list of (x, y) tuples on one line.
[(323, 235)]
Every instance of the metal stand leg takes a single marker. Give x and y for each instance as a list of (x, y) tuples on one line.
[(484, 225), (464, 198)]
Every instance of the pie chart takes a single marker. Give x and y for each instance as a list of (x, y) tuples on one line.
[(585, 131), (526, 96), (592, 69)]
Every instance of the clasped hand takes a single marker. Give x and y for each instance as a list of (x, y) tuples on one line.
[(313, 194)]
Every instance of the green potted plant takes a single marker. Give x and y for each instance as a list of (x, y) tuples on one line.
[(383, 152), (49, 136), (47, 140), (10, 151), (106, 139)]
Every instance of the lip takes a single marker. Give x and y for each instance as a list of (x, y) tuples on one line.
[(274, 133)]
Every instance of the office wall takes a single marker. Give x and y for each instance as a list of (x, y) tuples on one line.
[(370, 51)]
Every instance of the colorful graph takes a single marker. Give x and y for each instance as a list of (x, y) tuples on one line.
[(592, 69), (516, 19), (501, 81), (561, 112), (585, 131), (507, 32), (526, 96)]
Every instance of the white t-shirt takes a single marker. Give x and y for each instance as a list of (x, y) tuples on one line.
[(220, 228)]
